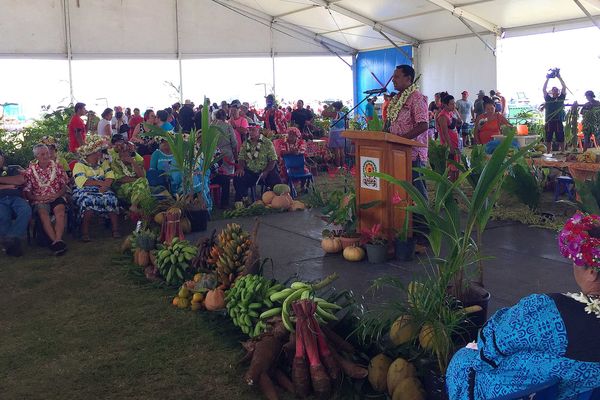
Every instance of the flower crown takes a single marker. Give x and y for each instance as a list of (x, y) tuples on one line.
[(575, 242), (93, 143)]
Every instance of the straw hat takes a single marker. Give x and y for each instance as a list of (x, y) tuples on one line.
[(93, 144)]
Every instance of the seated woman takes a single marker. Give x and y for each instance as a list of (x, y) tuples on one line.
[(93, 180), (45, 188), (162, 172), (144, 145), (256, 164), (489, 123), (55, 155), (127, 166), (293, 144), (544, 335)]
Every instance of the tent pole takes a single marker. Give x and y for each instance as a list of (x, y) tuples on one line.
[(489, 46), (272, 56), (67, 18), (178, 51), (587, 13)]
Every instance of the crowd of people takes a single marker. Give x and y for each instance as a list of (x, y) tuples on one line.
[(109, 172)]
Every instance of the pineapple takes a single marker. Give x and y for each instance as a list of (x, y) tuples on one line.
[(145, 242)]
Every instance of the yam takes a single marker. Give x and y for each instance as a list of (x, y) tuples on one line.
[(378, 368), (399, 370)]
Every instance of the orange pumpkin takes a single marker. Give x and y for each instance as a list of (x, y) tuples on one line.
[(353, 253), (267, 197), (331, 245), (215, 300), (282, 202)]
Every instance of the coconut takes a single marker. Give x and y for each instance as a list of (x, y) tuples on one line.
[(400, 369), (403, 330), (409, 389), (378, 368)]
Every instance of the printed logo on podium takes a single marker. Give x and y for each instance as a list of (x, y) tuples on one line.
[(368, 165)]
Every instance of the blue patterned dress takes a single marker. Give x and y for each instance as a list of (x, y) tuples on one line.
[(543, 336), (90, 197)]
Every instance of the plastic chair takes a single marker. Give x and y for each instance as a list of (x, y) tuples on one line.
[(564, 184), (544, 391), (294, 164)]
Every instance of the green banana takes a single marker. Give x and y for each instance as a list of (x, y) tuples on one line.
[(270, 313), (282, 295)]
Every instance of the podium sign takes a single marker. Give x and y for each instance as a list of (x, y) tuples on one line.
[(390, 154)]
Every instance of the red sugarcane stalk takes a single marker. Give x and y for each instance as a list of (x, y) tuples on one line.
[(326, 355)]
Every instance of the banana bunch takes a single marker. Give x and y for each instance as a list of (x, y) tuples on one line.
[(204, 245), (587, 157), (245, 300), (325, 311), (174, 259), (229, 253)]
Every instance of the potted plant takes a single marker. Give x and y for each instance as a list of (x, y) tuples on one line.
[(376, 244), (403, 244), (455, 236), (193, 157)]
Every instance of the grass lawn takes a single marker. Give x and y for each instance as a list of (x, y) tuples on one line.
[(79, 327)]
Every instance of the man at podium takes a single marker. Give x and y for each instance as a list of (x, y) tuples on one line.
[(407, 117)]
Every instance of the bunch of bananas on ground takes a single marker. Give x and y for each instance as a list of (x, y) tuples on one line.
[(173, 260), (325, 311), (228, 254), (204, 245), (587, 157), (245, 300)]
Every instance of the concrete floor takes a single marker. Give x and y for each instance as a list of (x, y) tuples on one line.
[(525, 260)]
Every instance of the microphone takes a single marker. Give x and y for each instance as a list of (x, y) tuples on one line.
[(375, 91)]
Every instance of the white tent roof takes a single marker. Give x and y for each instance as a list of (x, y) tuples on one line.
[(82, 29)]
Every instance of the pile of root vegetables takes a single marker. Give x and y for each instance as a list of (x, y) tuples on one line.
[(311, 360)]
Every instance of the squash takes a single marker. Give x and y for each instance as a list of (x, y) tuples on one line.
[(297, 205), (215, 300), (281, 188), (331, 245), (378, 369), (267, 197), (353, 253), (400, 369), (281, 202)]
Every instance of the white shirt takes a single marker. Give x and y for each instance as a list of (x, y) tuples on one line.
[(101, 127)]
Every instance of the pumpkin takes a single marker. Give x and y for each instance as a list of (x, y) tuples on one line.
[(215, 300), (158, 218), (353, 253), (281, 188), (281, 202), (267, 197), (186, 225), (331, 245), (297, 205)]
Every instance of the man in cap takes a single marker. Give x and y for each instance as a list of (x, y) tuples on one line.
[(478, 108), (186, 116), (12, 204), (465, 109)]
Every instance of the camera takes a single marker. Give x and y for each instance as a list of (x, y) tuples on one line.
[(553, 73)]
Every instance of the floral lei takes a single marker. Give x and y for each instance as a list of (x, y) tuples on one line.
[(575, 242), (398, 102), (43, 183), (254, 153), (130, 172), (592, 303)]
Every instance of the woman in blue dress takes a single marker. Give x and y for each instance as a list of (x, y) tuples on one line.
[(543, 336)]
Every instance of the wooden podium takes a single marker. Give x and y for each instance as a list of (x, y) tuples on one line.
[(390, 154)]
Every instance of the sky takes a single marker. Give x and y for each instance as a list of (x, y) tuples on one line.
[(522, 66)]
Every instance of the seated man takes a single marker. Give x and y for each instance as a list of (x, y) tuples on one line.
[(130, 182), (257, 160), (45, 187), (55, 155), (14, 210), (543, 336)]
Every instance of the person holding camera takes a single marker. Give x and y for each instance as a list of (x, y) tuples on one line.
[(554, 107)]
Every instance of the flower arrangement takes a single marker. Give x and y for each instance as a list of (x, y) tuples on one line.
[(575, 242), (373, 236)]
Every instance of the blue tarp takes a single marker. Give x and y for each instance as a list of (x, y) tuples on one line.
[(380, 64)]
